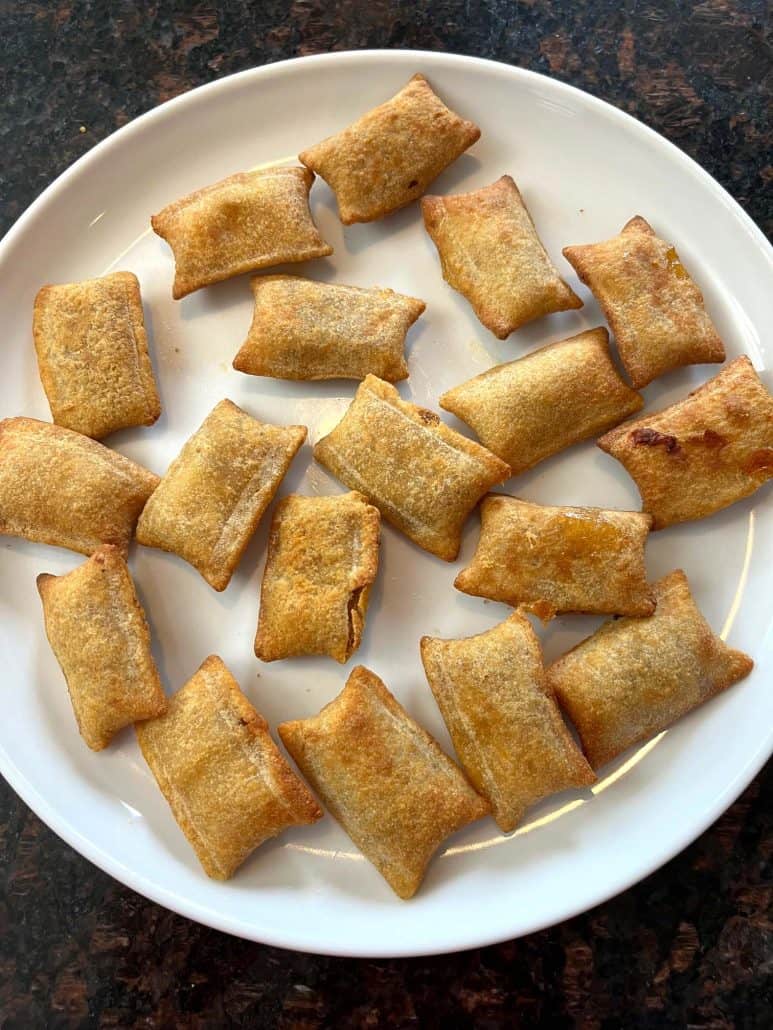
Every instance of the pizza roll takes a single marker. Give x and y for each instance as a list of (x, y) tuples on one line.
[(490, 252), (633, 677), (554, 560), (59, 487), (703, 453), (384, 779), (503, 720), (322, 560), (98, 633), (303, 329), (389, 156), (213, 495), (556, 396), (652, 305), (226, 782), (248, 221), (93, 355), (423, 477)]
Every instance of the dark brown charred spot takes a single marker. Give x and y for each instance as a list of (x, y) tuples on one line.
[(712, 439), (759, 461), (428, 417), (652, 438), (413, 184), (351, 607)]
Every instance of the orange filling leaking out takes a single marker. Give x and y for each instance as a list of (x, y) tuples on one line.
[(674, 264)]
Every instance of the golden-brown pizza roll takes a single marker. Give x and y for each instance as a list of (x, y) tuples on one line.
[(213, 495), (59, 487), (423, 477), (490, 252), (633, 677), (228, 786), (99, 636), (384, 779), (654, 308), (390, 155), (503, 720), (303, 329), (93, 355), (552, 560), (248, 221), (322, 560), (556, 396), (703, 453)]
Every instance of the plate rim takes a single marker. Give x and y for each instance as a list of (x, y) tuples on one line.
[(191, 908)]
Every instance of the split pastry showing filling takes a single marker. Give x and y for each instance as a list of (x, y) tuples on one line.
[(529, 409), (703, 453), (302, 329), (384, 779), (62, 488), (248, 221), (633, 677), (92, 352), (99, 636), (389, 156), (322, 560), (653, 307), (490, 252), (213, 495), (560, 559), (223, 776), (505, 725), (424, 477)]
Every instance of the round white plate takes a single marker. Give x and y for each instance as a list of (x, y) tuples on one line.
[(584, 169)]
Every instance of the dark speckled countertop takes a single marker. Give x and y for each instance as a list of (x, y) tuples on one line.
[(692, 945)]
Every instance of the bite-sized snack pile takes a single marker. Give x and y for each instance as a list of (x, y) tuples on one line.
[(382, 776)]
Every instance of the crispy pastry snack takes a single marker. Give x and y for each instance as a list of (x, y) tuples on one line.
[(703, 453), (384, 779), (303, 329), (322, 560), (654, 308), (248, 221), (61, 488), (93, 355), (554, 560), (390, 155), (424, 477), (503, 720), (98, 633), (490, 252), (214, 493), (228, 786), (633, 677), (556, 396)]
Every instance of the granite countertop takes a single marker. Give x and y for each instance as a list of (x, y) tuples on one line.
[(692, 945)]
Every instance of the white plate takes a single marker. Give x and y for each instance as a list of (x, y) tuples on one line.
[(584, 169)]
